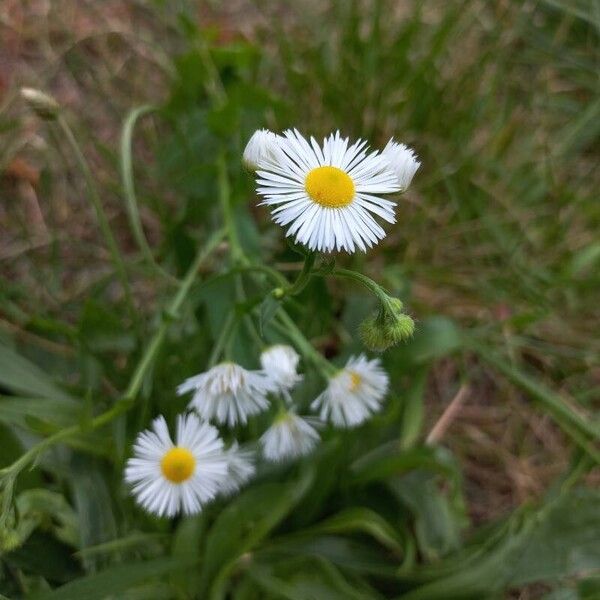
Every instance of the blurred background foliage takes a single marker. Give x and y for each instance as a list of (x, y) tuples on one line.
[(480, 478)]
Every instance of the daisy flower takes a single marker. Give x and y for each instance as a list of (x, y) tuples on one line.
[(228, 393), (171, 477), (354, 393), (403, 161), (260, 147), (240, 468), (327, 195), (279, 363), (290, 436)]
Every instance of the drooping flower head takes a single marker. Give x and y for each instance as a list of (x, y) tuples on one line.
[(403, 161), (169, 478), (327, 195), (289, 436), (228, 393), (240, 468), (279, 363), (354, 393), (260, 147)]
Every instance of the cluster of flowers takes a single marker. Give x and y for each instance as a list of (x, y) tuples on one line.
[(327, 196), (169, 476)]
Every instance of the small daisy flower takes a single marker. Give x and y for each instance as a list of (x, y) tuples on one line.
[(327, 195), (168, 477), (290, 436), (261, 146), (228, 393), (240, 468), (403, 161), (279, 363), (354, 393)]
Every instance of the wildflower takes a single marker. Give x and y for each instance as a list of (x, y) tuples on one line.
[(290, 436), (261, 146), (228, 393), (403, 161), (168, 477), (354, 393), (328, 196), (386, 327), (279, 363), (240, 468)]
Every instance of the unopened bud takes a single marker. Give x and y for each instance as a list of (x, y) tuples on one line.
[(387, 327), (261, 146), (44, 105)]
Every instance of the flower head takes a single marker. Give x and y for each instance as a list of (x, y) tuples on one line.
[(240, 468), (228, 393), (403, 161), (290, 436), (279, 363), (328, 195), (354, 393), (260, 147), (168, 477)]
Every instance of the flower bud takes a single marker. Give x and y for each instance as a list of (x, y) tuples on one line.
[(261, 146), (387, 327), (44, 105), (403, 161)]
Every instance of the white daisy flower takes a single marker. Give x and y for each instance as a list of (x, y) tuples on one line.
[(168, 477), (327, 195), (403, 161), (354, 393), (228, 393), (279, 363), (240, 468), (290, 436), (261, 146)]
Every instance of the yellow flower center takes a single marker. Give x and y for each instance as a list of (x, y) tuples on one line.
[(329, 187), (355, 380), (178, 464)]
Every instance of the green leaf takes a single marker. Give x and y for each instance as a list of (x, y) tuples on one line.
[(268, 308), (44, 555), (413, 410), (389, 460), (245, 522), (439, 517), (93, 504), (22, 377), (115, 581), (18, 411), (312, 579), (348, 554), (557, 541), (359, 519)]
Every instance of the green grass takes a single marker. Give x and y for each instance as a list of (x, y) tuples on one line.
[(495, 254)]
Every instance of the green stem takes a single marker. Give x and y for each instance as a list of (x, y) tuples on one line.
[(274, 275), (214, 85), (131, 203), (224, 336), (109, 238), (237, 253), (292, 331), (304, 276), (135, 383), (365, 281)]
